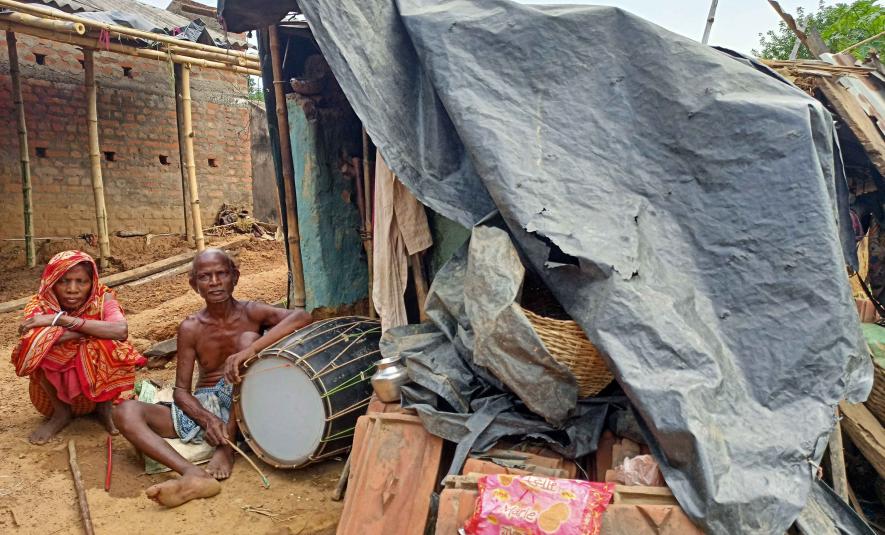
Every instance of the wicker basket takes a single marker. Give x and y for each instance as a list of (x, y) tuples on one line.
[(876, 402), (568, 344)]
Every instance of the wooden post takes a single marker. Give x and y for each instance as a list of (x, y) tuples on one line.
[(837, 461), (101, 214), (182, 156), (17, 99), (193, 191), (81, 490), (288, 169), (710, 18), (368, 224), (420, 284)]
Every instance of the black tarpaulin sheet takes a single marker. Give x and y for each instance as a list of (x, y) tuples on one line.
[(480, 372), (681, 205)]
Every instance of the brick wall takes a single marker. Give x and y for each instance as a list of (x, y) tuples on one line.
[(136, 123)]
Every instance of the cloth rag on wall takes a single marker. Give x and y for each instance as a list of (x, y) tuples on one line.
[(400, 230)]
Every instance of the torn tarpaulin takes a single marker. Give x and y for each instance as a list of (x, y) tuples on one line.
[(695, 195), (479, 348)]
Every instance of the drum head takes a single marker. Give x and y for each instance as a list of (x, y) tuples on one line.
[(281, 412)]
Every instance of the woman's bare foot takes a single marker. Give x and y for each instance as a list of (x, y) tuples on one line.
[(61, 417), (103, 411), (221, 463), (184, 489)]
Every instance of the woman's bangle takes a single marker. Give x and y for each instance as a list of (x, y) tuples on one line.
[(55, 319), (76, 324)]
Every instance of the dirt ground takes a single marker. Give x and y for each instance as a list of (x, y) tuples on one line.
[(36, 490)]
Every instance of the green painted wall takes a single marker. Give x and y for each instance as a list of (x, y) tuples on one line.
[(335, 272)]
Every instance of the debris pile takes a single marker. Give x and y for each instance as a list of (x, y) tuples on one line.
[(237, 219)]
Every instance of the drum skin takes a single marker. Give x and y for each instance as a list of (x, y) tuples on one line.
[(300, 398)]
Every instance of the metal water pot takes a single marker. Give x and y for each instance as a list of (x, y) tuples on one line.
[(389, 376)]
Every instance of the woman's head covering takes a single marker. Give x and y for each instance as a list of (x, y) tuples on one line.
[(55, 269)]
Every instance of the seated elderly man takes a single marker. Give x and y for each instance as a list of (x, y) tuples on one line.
[(219, 339)]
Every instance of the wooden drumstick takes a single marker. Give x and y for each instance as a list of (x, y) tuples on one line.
[(255, 466)]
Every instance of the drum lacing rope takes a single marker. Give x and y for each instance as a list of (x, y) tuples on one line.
[(340, 434), (353, 381), (313, 334), (355, 407)]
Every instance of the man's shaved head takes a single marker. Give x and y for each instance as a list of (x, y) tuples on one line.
[(212, 253)]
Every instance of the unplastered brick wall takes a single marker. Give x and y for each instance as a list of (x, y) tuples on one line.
[(138, 139)]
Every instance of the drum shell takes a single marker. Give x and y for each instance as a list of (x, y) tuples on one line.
[(337, 355)]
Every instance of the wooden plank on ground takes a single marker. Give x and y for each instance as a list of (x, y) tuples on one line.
[(855, 118), (629, 495), (133, 274), (866, 432)]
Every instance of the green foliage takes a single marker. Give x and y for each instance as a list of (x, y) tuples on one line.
[(840, 25), (255, 92)]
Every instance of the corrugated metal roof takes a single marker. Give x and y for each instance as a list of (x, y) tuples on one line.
[(155, 15)]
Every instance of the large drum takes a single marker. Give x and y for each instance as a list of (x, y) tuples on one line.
[(299, 399)]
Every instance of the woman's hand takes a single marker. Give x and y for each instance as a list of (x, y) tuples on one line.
[(233, 363), (40, 320)]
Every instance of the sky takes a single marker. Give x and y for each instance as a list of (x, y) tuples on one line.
[(737, 26)]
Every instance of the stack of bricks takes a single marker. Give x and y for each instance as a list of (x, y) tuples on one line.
[(138, 138)]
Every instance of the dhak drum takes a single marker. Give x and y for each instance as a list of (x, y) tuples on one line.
[(299, 400)]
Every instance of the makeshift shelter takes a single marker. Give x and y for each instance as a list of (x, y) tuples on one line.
[(650, 194)]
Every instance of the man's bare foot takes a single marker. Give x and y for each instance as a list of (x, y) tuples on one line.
[(221, 463), (61, 417), (103, 411), (184, 489)]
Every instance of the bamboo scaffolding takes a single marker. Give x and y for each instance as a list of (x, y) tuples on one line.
[(288, 169), (27, 202), (193, 191), (89, 42), (101, 213), (46, 24), (116, 30)]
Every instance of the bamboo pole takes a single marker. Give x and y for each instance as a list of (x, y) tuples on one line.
[(288, 168), (101, 214), (182, 156), (81, 490), (861, 43), (27, 202), (89, 42), (367, 224), (365, 237), (86, 41), (193, 192), (116, 30), (711, 16), (46, 24)]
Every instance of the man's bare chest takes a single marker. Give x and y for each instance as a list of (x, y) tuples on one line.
[(217, 342)]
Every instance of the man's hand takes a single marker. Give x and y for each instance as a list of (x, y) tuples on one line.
[(40, 320), (215, 431), (233, 363)]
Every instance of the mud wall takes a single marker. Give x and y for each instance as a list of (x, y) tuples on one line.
[(335, 271)]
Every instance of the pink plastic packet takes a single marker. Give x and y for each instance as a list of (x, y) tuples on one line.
[(531, 505)]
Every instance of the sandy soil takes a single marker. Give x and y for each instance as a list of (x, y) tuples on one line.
[(36, 490)]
